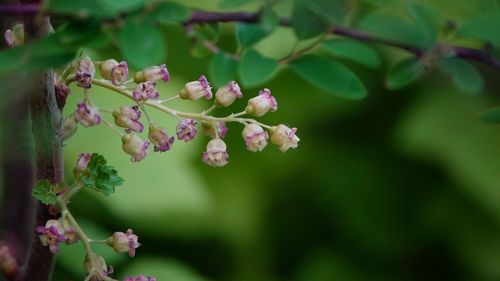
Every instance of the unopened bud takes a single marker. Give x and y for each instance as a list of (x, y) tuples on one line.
[(124, 242), (153, 73), (134, 146), (195, 90), (84, 72), (262, 104), (82, 162), (284, 137), (216, 154), (226, 95), (128, 118), (87, 115), (255, 137), (116, 72)]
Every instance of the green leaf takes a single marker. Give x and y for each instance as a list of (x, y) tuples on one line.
[(463, 74), (330, 76), (228, 4), (393, 27), (269, 20), (354, 51), (44, 192), (255, 69), (122, 5), (306, 23), (206, 31), (142, 44), (404, 73), (101, 176), (82, 9), (170, 12), (491, 115), (249, 34), (222, 69), (483, 27), (426, 19), (330, 11)]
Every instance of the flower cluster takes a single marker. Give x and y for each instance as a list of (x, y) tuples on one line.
[(55, 232)]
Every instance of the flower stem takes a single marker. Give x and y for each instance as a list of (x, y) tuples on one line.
[(112, 127)]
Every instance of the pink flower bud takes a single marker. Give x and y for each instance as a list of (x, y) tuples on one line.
[(186, 129), (134, 146), (262, 104), (81, 164), (128, 118), (116, 72), (145, 91), (84, 72), (226, 95), (216, 154), (124, 242), (87, 115), (14, 37), (153, 73), (214, 129), (158, 136), (51, 235), (255, 137), (8, 264), (284, 137), (99, 267), (139, 278), (61, 90), (195, 90), (68, 127)]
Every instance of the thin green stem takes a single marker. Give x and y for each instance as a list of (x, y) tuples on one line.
[(210, 109), (299, 53), (74, 190), (176, 97), (112, 127)]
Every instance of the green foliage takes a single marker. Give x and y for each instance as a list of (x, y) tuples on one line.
[(249, 34), (330, 76), (122, 5), (305, 23), (170, 12), (101, 176), (142, 44), (354, 51), (222, 69), (426, 19), (228, 4), (82, 9), (255, 69), (44, 192), (403, 73), (463, 74), (491, 115), (483, 27)]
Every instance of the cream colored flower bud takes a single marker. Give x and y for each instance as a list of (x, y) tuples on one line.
[(284, 137)]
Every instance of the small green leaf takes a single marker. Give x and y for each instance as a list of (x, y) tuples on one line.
[(44, 192), (255, 69), (393, 27), (82, 9), (354, 51), (122, 5), (206, 31), (484, 27), (170, 12), (426, 19), (491, 115), (330, 76), (463, 74), (228, 4), (142, 44), (306, 23), (404, 73), (222, 69), (269, 20), (249, 34), (101, 176), (330, 11)]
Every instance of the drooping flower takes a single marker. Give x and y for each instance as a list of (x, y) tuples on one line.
[(158, 136), (195, 90), (262, 103), (214, 129), (216, 154), (68, 127), (186, 129), (284, 137), (124, 242), (128, 117), (139, 278), (225, 96), (146, 91), (69, 231), (61, 90), (51, 235), (81, 164), (134, 146), (97, 264), (14, 37), (255, 137), (84, 72), (116, 72), (87, 115), (153, 74)]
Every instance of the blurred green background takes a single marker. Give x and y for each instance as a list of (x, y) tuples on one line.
[(403, 185)]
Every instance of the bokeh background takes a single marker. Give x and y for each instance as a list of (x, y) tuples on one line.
[(403, 185)]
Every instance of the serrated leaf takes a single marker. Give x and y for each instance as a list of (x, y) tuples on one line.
[(491, 115), (101, 176), (44, 192), (306, 23), (393, 27), (255, 69), (142, 44), (354, 51), (249, 34), (222, 69), (463, 74), (404, 73), (483, 27), (426, 19), (330, 76), (170, 12)]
